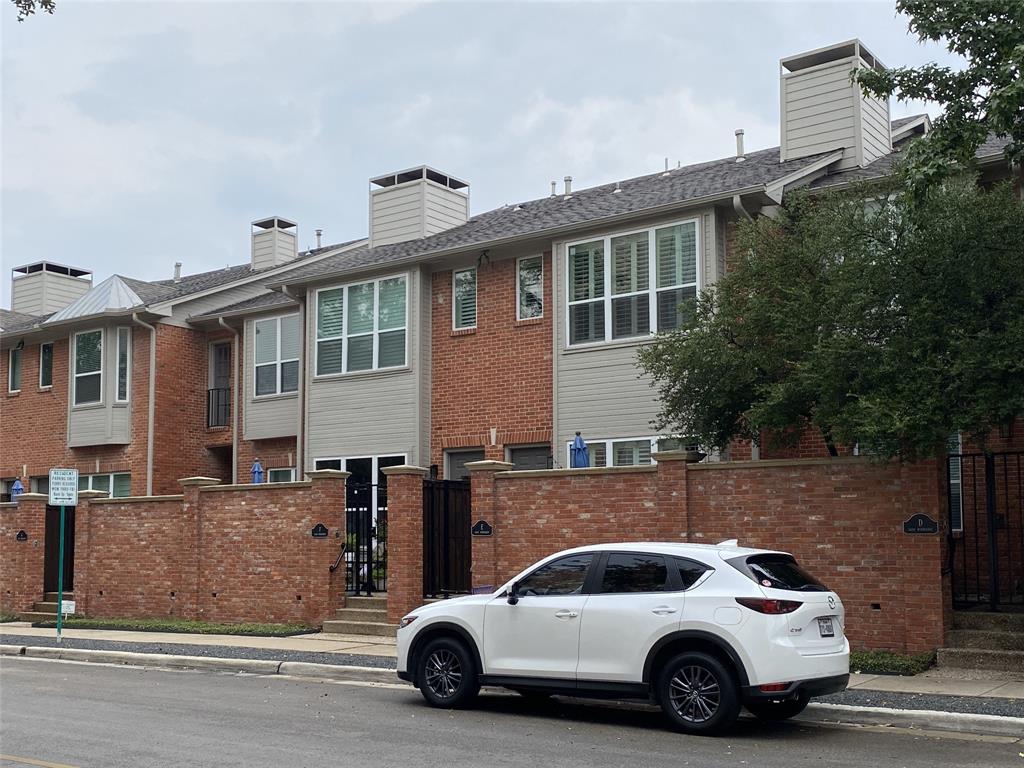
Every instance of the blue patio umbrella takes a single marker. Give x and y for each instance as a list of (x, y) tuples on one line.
[(16, 489), (256, 472), (579, 455)]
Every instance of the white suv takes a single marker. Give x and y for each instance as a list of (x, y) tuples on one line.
[(700, 629)]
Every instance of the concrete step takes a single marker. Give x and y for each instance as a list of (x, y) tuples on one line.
[(51, 597), (377, 602), (985, 639), (47, 607), (374, 628), (986, 620), (371, 615), (35, 616), (977, 658)]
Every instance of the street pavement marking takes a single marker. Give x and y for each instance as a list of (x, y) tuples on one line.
[(32, 761)]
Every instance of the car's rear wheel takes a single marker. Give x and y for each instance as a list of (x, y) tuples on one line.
[(698, 694), (447, 674), (774, 711)]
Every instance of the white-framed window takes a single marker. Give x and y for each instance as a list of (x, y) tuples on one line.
[(88, 367), (631, 285), (116, 484), (529, 287), (285, 475), (14, 370), (626, 451), (464, 298), (955, 447), (276, 355), (367, 484), (46, 365), (361, 326), (124, 360)]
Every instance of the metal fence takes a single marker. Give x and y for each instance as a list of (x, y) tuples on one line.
[(366, 538), (218, 407), (447, 545)]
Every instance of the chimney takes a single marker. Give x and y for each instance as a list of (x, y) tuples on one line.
[(319, 236), (823, 111), (739, 146), (177, 271), (44, 287), (415, 203), (568, 185), (274, 242)]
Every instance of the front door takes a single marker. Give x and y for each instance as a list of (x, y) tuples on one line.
[(51, 551), (540, 635)]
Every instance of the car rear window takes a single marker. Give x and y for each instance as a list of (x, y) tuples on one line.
[(777, 572)]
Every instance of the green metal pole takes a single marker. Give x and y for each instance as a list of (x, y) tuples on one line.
[(60, 576)]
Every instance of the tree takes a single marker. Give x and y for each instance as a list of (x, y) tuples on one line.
[(891, 324), (986, 96), (28, 7)]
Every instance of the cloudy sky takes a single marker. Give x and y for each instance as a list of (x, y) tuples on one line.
[(138, 134)]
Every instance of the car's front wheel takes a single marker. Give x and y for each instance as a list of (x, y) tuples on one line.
[(698, 694), (447, 674), (774, 711)]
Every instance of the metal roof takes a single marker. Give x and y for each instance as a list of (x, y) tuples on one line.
[(112, 295)]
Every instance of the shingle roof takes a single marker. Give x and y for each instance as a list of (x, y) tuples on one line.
[(11, 322), (269, 300)]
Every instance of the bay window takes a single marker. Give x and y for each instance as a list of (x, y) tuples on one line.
[(88, 367), (361, 327), (631, 285), (276, 355)]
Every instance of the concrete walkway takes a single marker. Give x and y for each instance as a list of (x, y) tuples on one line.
[(944, 681)]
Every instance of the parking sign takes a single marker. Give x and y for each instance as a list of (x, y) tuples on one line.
[(63, 487)]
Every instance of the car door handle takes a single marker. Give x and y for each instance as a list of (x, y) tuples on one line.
[(663, 610), (566, 615)]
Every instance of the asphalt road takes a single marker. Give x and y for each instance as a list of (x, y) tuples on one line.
[(59, 713)]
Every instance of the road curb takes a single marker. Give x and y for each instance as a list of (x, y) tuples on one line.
[(338, 672), (987, 725), (12, 650), (163, 660)]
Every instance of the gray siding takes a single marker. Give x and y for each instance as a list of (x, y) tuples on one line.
[(876, 132), (180, 313), (40, 293), (443, 208), (265, 418), (373, 413), (414, 209), (273, 247), (108, 423)]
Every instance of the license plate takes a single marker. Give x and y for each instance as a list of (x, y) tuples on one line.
[(825, 627)]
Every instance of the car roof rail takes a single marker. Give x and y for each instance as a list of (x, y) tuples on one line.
[(729, 543)]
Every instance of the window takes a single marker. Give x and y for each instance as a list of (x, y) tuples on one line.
[(45, 365), (464, 298), (14, 371), (631, 285), (115, 485), (529, 456), (689, 572), (634, 573), (276, 357), (624, 452), (281, 476), (562, 577), (777, 572), (40, 484), (124, 354), (5, 489), (361, 327), (88, 367), (529, 287), (457, 460)]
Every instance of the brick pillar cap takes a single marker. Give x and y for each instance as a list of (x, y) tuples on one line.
[(33, 497), (199, 481), (489, 466), (89, 493), (690, 457), (405, 469), (328, 474)]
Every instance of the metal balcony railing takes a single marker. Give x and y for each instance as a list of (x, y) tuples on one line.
[(218, 407)]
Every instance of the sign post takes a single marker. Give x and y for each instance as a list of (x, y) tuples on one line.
[(63, 492)]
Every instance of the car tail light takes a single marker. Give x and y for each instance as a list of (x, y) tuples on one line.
[(773, 687), (764, 605)]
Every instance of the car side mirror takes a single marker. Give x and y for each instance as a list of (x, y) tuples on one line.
[(513, 593)]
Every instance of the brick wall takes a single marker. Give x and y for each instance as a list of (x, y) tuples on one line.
[(21, 562), (508, 385)]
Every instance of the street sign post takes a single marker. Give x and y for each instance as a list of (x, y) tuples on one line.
[(63, 492)]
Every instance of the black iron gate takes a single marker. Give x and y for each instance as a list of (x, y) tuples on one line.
[(366, 542), (986, 524), (447, 546)]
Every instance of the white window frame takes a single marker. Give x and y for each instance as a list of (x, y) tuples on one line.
[(278, 362), (109, 488), (289, 470), (50, 345), (476, 302), (128, 365), (519, 303), (74, 368), (374, 470), (344, 335), (608, 442), (959, 482), (652, 289), (10, 368)]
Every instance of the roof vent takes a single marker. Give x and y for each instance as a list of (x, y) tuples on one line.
[(415, 203), (275, 241), (740, 157), (44, 287)]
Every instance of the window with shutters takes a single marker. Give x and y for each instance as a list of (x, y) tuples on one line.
[(116, 485), (361, 327), (464, 298), (276, 355), (88, 367), (620, 452), (631, 285)]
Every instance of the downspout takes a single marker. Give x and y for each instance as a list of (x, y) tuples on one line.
[(234, 400), (737, 203), (152, 401), (300, 427)]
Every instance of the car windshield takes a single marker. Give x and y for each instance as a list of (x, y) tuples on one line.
[(777, 572)]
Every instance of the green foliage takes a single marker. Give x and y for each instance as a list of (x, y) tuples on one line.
[(28, 7), (893, 324), (987, 95), (888, 663), (7, 617), (182, 625)]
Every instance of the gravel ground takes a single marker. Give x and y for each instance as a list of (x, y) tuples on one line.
[(965, 704)]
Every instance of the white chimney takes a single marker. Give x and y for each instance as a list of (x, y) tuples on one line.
[(823, 110), (415, 203), (274, 242), (44, 287)]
